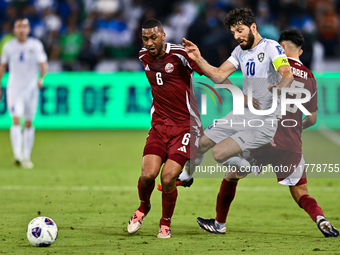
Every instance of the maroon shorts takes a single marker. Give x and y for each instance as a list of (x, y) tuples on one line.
[(287, 165), (172, 142)]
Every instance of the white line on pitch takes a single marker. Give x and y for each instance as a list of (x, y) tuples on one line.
[(134, 188), (331, 135)]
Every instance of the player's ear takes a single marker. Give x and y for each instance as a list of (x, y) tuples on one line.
[(300, 53), (253, 27), (163, 36)]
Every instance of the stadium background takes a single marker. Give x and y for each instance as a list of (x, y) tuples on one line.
[(86, 179)]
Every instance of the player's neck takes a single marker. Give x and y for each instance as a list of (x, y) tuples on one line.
[(295, 56), (22, 40), (257, 39), (162, 52)]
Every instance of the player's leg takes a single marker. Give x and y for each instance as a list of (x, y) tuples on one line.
[(16, 140), (170, 171), (309, 204), (297, 182), (153, 157), (150, 168), (224, 199), (205, 144), (16, 109), (30, 108), (28, 144)]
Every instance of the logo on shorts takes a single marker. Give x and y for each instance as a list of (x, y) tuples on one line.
[(169, 68), (182, 149), (239, 137), (260, 56)]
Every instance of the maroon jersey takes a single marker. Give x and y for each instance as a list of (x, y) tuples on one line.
[(289, 138), (171, 80)]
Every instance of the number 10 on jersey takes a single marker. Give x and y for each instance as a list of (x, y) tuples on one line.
[(250, 68)]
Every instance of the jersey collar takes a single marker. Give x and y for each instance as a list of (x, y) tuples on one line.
[(295, 59), (261, 41), (167, 50)]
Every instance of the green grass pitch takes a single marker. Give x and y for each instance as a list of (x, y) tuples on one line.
[(86, 182)]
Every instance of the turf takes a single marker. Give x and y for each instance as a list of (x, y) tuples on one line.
[(86, 182)]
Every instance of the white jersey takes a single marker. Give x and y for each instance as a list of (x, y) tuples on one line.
[(258, 66), (23, 60)]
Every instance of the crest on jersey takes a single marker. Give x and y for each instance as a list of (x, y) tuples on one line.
[(260, 56), (169, 68)]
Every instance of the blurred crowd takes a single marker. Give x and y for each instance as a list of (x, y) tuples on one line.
[(92, 34)]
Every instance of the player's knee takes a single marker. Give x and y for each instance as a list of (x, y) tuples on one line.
[(28, 124), (168, 180), (148, 177), (205, 144), (16, 121), (218, 155)]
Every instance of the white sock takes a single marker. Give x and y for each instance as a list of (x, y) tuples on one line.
[(189, 168), (237, 161), (28, 142), (319, 217), (16, 141), (219, 225)]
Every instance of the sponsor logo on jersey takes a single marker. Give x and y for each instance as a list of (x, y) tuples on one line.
[(169, 68), (260, 56), (280, 50), (251, 59)]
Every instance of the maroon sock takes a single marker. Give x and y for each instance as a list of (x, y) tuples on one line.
[(168, 206), (310, 205), (224, 199), (144, 193)]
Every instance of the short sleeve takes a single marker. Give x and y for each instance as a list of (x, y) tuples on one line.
[(41, 55), (312, 105), (192, 65), (234, 57), (5, 54), (277, 54)]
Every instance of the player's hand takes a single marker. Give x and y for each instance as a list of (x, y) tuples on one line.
[(192, 50), (270, 88), (40, 83), (272, 143), (256, 103)]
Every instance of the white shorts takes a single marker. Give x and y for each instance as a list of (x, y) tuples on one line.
[(22, 104), (241, 128)]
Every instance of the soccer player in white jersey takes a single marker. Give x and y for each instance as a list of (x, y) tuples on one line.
[(260, 61), (24, 55)]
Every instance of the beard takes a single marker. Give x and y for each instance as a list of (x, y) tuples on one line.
[(250, 41), (158, 51)]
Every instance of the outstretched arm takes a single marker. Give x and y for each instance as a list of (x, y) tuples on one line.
[(217, 75)]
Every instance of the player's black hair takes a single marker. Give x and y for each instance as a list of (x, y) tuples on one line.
[(292, 35), (150, 23), (242, 16)]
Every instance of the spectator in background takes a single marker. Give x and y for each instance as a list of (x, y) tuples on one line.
[(114, 33), (90, 51), (328, 27), (6, 34), (70, 44)]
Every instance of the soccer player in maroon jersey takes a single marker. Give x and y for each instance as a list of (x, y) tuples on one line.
[(285, 148), (175, 122)]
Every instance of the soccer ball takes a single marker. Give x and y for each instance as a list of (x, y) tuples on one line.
[(42, 231)]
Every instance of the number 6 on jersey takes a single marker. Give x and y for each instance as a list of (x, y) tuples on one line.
[(159, 78)]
